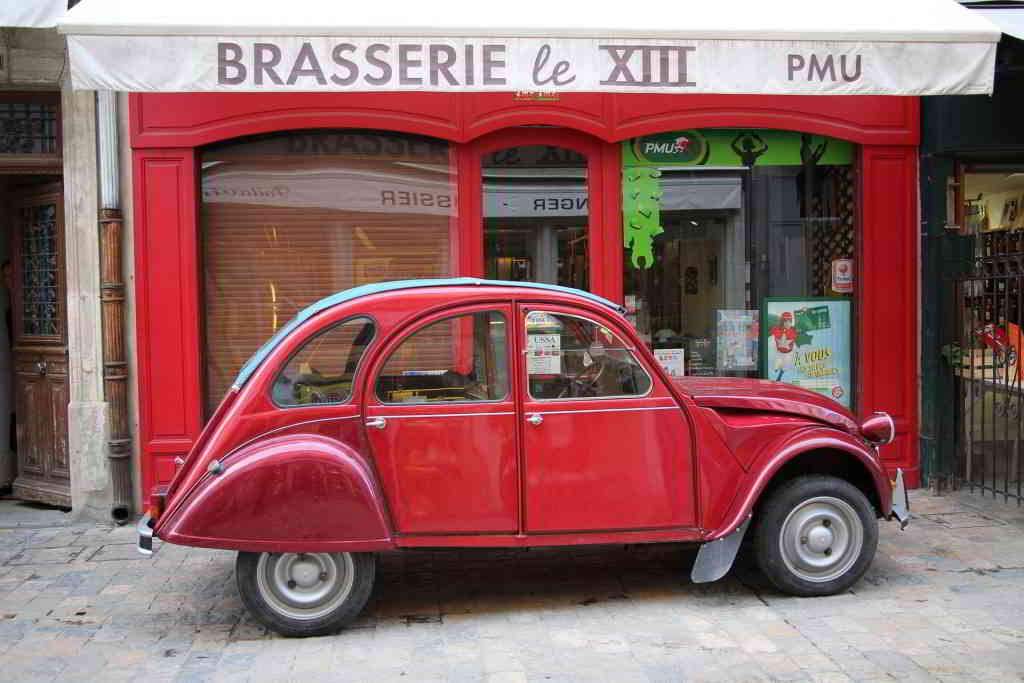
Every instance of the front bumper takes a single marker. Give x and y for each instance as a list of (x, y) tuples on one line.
[(145, 545), (900, 501)]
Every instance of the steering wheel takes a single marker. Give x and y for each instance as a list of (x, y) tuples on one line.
[(584, 383)]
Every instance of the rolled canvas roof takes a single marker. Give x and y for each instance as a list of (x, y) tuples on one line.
[(743, 46)]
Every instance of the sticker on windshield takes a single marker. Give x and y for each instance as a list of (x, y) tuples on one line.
[(544, 354)]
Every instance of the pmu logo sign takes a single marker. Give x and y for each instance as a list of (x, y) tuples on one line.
[(687, 147)]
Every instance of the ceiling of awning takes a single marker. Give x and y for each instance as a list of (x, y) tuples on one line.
[(902, 47)]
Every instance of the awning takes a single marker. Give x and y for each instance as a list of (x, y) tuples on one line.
[(1010, 20), (31, 13), (866, 47)]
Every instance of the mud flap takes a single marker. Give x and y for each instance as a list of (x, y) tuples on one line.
[(714, 560)]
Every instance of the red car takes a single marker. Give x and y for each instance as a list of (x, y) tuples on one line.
[(475, 413)]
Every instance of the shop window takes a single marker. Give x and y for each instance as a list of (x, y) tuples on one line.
[(464, 358), (717, 223), (535, 214), (323, 370), (287, 219), (572, 357)]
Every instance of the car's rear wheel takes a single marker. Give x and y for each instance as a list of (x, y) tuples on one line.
[(816, 535), (305, 594)]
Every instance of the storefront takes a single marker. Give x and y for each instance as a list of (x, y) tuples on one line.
[(769, 234)]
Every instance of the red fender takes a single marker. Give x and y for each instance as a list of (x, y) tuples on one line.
[(775, 455), (294, 493)]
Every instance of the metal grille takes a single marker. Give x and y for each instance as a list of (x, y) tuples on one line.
[(985, 360), (28, 128), (833, 225), (39, 283)]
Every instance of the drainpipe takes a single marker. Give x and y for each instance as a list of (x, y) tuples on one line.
[(115, 367)]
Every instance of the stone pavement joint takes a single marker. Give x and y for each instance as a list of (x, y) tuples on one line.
[(944, 601)]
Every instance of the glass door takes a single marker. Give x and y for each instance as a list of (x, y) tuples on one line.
[(536, 206)]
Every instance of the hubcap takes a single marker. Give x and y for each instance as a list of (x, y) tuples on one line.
[(304, 585), (821, 539)]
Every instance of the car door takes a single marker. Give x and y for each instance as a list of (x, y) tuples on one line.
[(606, 447), (441, 421)]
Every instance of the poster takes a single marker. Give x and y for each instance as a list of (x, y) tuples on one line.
[(671, 360), (737, 340), (544, 354), (808, 343)]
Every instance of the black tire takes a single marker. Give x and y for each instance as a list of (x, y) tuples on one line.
[(816, 535), (305, 594)]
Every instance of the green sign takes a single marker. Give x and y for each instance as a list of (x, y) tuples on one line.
[(736, 147)]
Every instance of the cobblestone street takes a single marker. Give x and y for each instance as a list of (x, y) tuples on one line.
[(943, 601)]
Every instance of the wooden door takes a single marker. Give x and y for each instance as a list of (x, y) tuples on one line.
[(40, 346)]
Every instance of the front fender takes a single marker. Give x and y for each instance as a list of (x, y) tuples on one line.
[(775, 456), (294, 493)]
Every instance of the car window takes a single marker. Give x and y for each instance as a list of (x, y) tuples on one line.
[(463, 358), (323, 369), (572, 357)]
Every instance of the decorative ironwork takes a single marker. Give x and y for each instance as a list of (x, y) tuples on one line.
[(40, 311), (28, 128)]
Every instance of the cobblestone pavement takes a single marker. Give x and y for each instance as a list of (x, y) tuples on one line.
[(943, 601)]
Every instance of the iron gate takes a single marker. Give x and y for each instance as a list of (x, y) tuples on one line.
[(985, 361)]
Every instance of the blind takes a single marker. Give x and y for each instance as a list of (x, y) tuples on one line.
[(280, 233)]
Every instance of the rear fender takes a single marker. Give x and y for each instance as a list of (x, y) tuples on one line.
[(294, 493), (774, 456)]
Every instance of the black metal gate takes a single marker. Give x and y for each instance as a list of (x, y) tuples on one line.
[(985, 361)]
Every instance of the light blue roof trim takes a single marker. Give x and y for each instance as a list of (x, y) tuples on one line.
[(376, 288)]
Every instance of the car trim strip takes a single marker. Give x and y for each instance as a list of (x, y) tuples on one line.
[(398, 417), (602, 410)]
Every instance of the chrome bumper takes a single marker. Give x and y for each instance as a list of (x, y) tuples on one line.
[(145, 545), (900, 501)]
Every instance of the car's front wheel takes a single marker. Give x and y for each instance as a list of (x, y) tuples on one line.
[(305, 594), (816, 535)]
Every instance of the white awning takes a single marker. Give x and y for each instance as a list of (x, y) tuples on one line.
[(867, 47), (1010, 20), (31, 13)]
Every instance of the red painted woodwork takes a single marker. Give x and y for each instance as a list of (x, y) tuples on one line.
[(886, 329), (295, 493), (316, 478), (600, 230), (195, 119), (167, 129), (166, 303)]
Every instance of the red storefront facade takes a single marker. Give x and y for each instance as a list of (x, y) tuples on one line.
[(169, 133)]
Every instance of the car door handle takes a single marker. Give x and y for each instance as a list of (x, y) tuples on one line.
[(535, 419), (378, 422)]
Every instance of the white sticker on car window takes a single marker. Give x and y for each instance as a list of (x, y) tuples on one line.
[(543, 354)]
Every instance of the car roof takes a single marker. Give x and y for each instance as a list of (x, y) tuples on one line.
[(379, 287)]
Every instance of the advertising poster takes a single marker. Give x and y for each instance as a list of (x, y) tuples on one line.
[(671, 360), (808, 343), (737, 340)]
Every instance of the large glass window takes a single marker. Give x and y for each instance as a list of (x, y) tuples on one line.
[(287, 219), (464, 358), (718, 221), (535, 211)]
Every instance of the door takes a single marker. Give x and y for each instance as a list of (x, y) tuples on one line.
[(606, 447), (40, 347), (539, 207), (441, 422)]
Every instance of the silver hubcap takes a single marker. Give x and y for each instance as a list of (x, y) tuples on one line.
[(821, 539), (304, 585)]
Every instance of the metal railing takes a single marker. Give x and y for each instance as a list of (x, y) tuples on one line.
[(985, 361)]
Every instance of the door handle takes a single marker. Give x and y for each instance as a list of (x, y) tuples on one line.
[(535, 419), (377, 422), (41, 368)]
